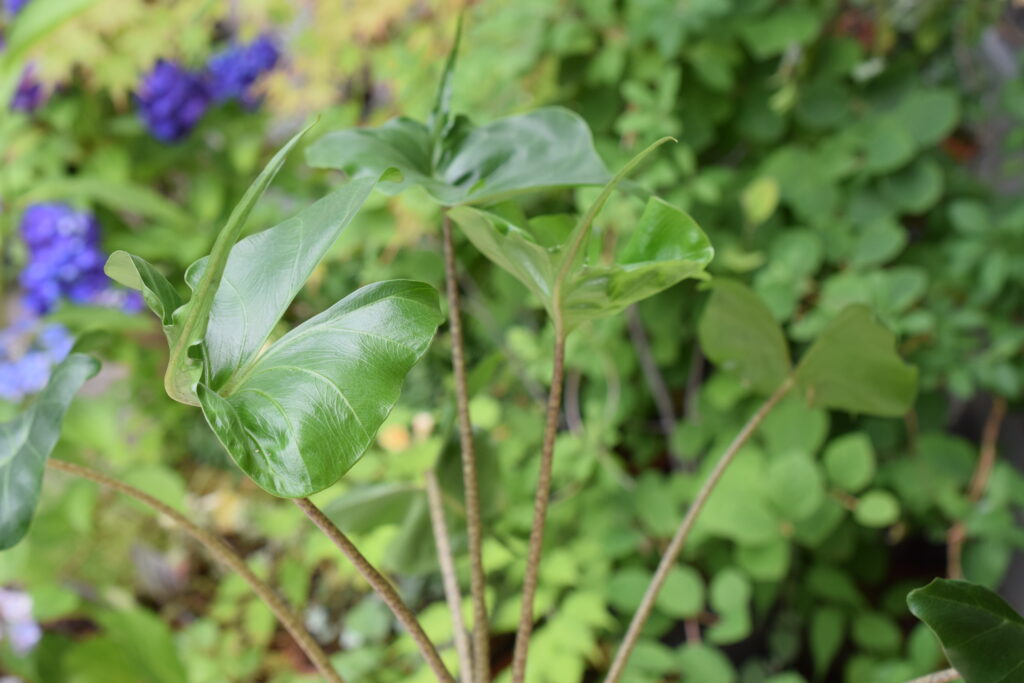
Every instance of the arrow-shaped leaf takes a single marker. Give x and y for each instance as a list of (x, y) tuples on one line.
[(981, 634), (738, 332), (541, 150), (303, 412), (26, 443), (854, 366)]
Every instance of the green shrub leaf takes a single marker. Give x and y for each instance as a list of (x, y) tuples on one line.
[(853, 366), (738, 332)]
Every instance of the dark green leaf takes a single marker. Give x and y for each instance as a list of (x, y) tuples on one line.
[(26, 443), (304, 411), (853, 366), (738, 332), (544, 149), (981, 634)]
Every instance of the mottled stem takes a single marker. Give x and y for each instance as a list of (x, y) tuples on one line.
[(379, 584), (449, 578), (944, 676), (540, 511), (224, 554), (474, 525)]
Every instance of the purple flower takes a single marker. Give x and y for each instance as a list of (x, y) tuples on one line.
[(12, 7), (28, 353), (30, 93), (17, 625), (65, 259), (171, 100), (235, 70)]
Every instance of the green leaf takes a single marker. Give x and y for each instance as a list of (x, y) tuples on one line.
[(305, 410), (26, 443), (699, 662), (981, 634), (877, 508), (853, 366), (795, 485), (682, 596), (730, 599), (262, 275), (541, 150), (364, 509), (826, 636), (850, 461), (738, 332), (184, 369), (666, 247), (135, 272), (440, 114)]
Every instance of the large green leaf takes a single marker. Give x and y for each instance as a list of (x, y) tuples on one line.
[(981, 634), (263, 274), (184, 367), (544, 149), (738, 332), (667, 246), (26, 443), (853, 366), (304, 411)]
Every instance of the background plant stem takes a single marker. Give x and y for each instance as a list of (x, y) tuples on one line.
[(474, 525), (675, 546), (449, 578), (979, 481), (224, 554), (381, 585), (540, 511)]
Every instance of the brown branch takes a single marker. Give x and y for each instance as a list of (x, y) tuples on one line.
[(540, 511), (675, 546), (957, 534), (224, 554), (474, 525), (448, 576), (379, 584)]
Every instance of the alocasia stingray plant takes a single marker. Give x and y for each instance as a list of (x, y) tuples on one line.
[(296, 412)]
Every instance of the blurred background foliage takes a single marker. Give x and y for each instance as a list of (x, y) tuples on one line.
[(835, 151)]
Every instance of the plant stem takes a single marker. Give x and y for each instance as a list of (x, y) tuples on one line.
[(668, 559), (540, 511), (474, 525), (655, 380), (957, 533), (381, 585), (224, 554), (448, 576), (944, 676)]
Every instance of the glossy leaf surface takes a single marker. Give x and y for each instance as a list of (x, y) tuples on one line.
[(981, 634), (263, 274), (26, 443), (854, 366), (305, 410), (738, 332), (544, 149), (667, 246)]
